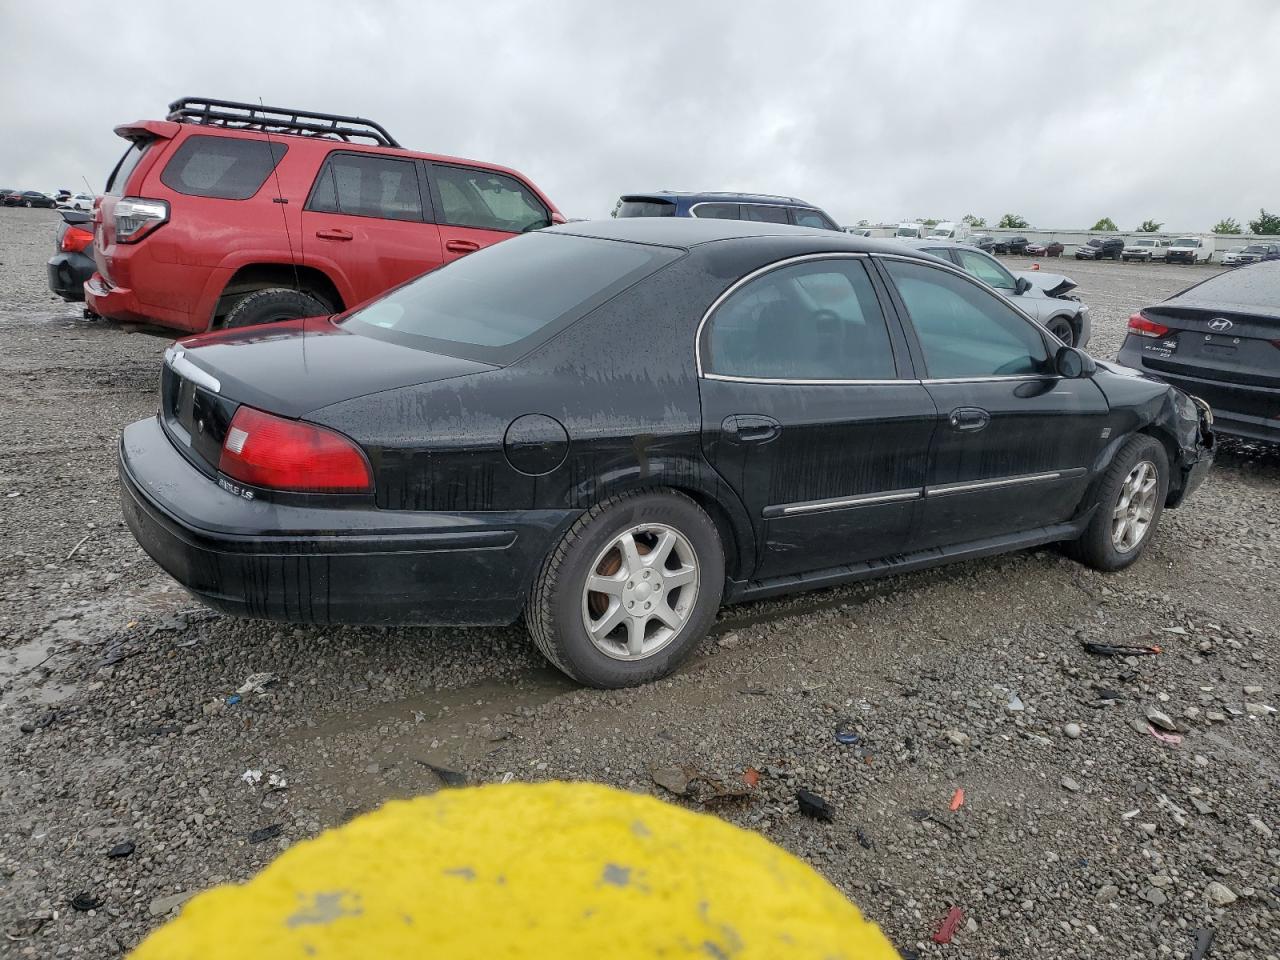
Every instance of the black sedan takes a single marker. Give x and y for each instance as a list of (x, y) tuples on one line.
[(1220, 339), (28, 198), (614, 427)]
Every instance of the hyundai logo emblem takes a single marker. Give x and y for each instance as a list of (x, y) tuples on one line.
[(1220, 324)]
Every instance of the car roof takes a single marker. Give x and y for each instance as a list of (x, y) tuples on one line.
[(1254, 288), (722, 196), (688, 232)]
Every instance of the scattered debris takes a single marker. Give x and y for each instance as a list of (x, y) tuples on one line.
[(1160, 719), (1259, 709), (812, 805), (83, 541), (751, 777), (39, 723), (450, 778), (1204, 940), (846, 733), (1173, 739), (947, 928), (687, 780), (864, 841), (121, 850), (1072, 731), (263, 834), (251, 777), (957, 799), (1069, 784), (233, 699), (276, 782), (257, 683), (1119, 650), (1014, 704), (958, 737), (672, 779), (25, 929), (84, 902)]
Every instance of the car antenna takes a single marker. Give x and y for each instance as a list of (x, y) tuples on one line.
[(280, 199), (88, 185)]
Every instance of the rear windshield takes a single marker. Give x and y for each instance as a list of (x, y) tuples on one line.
[(226, 168), (646, 208), (907, 232), (119, 179), (500, 302)]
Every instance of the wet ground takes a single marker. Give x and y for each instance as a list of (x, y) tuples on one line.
[(120, 719)]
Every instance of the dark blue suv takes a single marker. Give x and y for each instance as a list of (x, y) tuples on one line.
[(724, 206)]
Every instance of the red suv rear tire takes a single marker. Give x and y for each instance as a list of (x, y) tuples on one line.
[(274, 304)]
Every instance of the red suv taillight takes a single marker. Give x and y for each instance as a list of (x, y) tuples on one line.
[(269, 451), (136, 217), (1146, 328), (75, 239)]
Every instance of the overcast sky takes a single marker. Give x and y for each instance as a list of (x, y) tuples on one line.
[(1063, 112)]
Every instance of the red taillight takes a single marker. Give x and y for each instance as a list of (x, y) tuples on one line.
[(280, 454), (74, 240), (136, 217), (1146, 328)]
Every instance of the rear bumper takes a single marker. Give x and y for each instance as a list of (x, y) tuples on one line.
[(68, 273), (308, 564), (1226, 400), (115, 303)]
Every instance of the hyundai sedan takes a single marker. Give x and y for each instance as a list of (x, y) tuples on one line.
[(612, 428)]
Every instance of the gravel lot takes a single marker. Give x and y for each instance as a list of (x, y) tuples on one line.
[(1079, 835)]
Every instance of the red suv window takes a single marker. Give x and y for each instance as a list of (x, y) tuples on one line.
[(360, 185), (224, 167)]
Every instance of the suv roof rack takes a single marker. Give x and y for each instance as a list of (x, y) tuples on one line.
[(254, 116)]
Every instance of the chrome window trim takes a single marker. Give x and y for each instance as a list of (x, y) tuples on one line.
[(780, 381), (778, 511), (176, 357), (969, 486), (743, 281)]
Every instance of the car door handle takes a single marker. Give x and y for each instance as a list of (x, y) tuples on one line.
[(969, 419), (750, 428), (333, 234), (461, 246)]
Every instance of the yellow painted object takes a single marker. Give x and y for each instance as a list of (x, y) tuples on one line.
[(553, 870)]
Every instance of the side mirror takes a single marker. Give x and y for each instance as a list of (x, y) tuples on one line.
[(1073, 364), (1021, 285), (557, 218)]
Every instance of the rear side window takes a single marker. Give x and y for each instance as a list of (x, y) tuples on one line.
[(717, 211), (965, 331), (360, 185), (500, 302), (810, 321), (813, 218), (645, 208), (487, 200), (225, 168), (119, 178), (764, 214)]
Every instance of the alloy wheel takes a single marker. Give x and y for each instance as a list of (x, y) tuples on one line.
[(641, 591), (1131, 518)]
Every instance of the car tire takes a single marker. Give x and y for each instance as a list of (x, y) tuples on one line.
[(561, 606), (1107, 544), (274, 304), (1061, 328)]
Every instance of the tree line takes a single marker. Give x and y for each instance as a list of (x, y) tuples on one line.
[(1266, 224)]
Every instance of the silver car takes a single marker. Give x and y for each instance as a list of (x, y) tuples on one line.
[(1043, 296)]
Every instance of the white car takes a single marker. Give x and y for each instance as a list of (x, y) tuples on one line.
[(1145, 248), (858, 231), (1231, 256), (80, 201)]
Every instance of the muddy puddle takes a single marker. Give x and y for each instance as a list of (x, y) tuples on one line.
[(404, 748)]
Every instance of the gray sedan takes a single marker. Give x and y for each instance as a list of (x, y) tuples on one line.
[(1043, 296)]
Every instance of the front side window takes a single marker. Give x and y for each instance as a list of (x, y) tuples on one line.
[(717, 211), (225, 168), (487, 200), (964, 331), (362, 185), (498, 303), (986, 269), (763, 213), (818, 320)]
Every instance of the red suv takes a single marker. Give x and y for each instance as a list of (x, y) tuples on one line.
[(232, 214)]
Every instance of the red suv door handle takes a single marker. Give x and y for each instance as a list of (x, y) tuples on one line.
[(461, 246), (334, 234)]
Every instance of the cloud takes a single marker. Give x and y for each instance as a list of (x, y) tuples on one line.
[(879, 110)]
